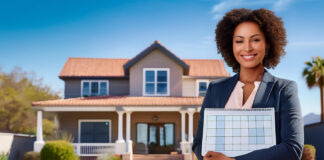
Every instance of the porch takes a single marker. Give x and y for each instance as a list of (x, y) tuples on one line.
[(135, 116), (147, 157), (90, 151)]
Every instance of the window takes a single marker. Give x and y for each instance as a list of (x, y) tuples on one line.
[(202, 86), (94, 131), (156, 82), (94, 88), (169, 134), (142, 133)]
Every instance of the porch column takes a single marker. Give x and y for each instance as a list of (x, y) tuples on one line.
[(38, 145), (120, 126), (56, 123), (120, 143), (184, 144), (129, 142), (183, 126), (191, 111)]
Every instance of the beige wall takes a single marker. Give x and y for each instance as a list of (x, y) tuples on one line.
[(195, 122), (72, 88), (189, 87), (118, 87), (155, 59), (6, 142)]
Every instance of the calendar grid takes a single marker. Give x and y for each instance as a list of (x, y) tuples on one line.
[(235, 132)]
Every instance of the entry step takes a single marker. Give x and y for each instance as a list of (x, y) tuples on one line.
[(158, 157)]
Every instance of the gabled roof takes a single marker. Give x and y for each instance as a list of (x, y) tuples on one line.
[(106, 67), (153, 46), (123, 101), (110, 68)]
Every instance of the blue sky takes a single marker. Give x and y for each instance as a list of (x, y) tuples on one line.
[(40, 35)]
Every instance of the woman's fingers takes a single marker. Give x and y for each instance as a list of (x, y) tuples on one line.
[(212, 155)]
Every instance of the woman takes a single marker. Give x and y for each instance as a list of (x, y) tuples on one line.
[(249, 41)]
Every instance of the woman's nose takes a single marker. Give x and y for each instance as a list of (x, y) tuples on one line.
[(248, 47)]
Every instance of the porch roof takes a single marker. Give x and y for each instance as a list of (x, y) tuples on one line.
[(123, 101)]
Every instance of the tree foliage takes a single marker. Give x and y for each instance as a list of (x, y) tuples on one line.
[(17, 90), (314, 74)]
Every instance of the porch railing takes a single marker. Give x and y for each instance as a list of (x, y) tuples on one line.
[(94, 149)]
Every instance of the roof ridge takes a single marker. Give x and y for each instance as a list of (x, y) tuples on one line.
[(164, 50), (202, 59), (98, 58)]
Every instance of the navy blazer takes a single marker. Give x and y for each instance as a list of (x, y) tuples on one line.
[(273, 92)]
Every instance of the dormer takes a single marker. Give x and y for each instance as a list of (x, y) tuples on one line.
[(156, 71)]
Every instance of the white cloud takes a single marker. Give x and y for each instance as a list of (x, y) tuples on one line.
[(219, 7), (224, 6), (209, 40), (280, 5)]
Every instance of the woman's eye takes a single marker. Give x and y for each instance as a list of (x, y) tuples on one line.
[(256, 40), (238, 41)]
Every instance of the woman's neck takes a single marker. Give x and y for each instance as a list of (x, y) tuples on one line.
[(251, 74)]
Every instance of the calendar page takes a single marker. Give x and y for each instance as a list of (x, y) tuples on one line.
[(234, 132)]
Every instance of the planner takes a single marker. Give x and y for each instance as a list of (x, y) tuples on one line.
[(234, 132)]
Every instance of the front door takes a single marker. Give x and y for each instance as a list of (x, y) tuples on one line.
[(160, 137)]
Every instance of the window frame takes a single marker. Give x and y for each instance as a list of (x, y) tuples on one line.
[(93, 120), (145, 133), (90, 81), (155, 81), (197, 84)]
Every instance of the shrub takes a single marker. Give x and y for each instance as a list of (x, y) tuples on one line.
[(4, 156), (32, 156), (308, 152), (58, 150)]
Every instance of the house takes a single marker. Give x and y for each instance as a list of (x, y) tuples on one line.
[(147, 104)]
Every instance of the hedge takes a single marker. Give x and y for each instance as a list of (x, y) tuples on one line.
[(58, 150)]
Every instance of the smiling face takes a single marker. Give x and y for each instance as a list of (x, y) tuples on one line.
[(249, 45)]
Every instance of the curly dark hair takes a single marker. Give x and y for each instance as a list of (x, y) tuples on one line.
[(271, 26)]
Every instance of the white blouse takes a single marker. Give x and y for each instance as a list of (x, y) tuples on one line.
[(235, 101)]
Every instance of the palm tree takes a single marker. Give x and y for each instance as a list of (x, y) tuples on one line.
[(314, 74)]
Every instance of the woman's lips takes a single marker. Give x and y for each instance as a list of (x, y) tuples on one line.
[(248, 57)]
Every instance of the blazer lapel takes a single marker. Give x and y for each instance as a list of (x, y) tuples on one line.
[(227, 90), (264, 90)]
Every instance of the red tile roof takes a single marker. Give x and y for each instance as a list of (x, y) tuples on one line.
[(107, 67), (93, 67), (206, 67), (123, 101)]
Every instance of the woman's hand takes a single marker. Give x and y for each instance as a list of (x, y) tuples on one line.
[(210, 155)]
